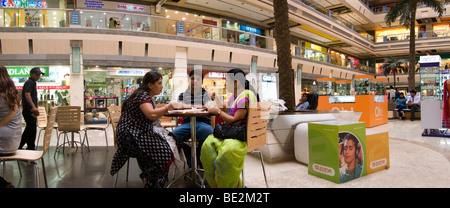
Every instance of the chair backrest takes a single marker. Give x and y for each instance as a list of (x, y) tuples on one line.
[(49, 129), (42, 118), (114, 113), (69, 118), (257, 126)]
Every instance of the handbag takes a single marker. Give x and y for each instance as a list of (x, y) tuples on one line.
[(230, 131), (9, 117)]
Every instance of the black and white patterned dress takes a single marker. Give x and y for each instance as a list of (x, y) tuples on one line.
[(137, 138)]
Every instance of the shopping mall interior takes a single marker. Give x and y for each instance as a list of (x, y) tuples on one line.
[(95, 54)]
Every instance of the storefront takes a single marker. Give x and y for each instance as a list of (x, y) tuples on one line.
[(28, 13), (243, 34), (53, 87), (315, 52), (338, 58), (393, 34), (106, 86), (112, 15)]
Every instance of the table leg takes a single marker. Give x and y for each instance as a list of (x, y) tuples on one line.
[(194, 143)]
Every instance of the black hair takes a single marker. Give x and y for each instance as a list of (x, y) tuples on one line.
[(355, 141), (413, 91), (246, 83), (196, 72), (149, 77)]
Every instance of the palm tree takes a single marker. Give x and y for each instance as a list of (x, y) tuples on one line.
[(406, 10), (284, 58), (392, 65)]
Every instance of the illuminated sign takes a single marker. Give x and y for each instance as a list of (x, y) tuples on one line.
[(250, 29), (94, 4), (130, 7), (24, 71), (23, 4)]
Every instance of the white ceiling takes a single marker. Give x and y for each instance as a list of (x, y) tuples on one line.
[(234, 7)]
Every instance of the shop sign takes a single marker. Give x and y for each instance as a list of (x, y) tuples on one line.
[(24, 71), (268, 78), (130, 72), (48, 87), (130, 7), (94, 4), (209, 22), (216, 75), (24, 4), (430, 59), (250, 29)]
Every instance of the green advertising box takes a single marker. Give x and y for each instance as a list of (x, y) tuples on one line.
[(337, 150)]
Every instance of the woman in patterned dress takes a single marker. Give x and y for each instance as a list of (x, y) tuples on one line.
[(223, 159), (138, 135)]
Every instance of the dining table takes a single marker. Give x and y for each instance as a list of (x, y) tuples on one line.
[(193, 171)]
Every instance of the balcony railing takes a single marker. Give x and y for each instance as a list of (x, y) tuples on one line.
[(419, 35)]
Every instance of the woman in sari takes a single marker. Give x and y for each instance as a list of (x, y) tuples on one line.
[(223, 159)]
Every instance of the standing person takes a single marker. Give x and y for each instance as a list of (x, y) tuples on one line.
[(223, 159), (30, 110), (139, 135), (414, 103), (10, 118), (194, 95), (401, 104), (112, 23)]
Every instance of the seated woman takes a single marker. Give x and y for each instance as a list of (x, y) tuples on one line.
[(139, 136), (223, 159), (10, 119), (10, 115), (303, 105)]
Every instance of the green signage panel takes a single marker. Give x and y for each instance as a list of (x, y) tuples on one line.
[(24, 71)]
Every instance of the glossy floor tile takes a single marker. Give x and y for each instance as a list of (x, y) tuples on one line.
[(410, 154)]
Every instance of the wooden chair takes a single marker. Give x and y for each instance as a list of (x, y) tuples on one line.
[(69, 121), (114, 113), (99, 128), (257, 132), (114, 117), (166, 122), (42, 122), (33, 156)]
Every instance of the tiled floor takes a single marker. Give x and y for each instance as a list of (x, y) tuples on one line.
[(91, 169)]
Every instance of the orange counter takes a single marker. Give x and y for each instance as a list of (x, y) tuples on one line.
[(373, 114)]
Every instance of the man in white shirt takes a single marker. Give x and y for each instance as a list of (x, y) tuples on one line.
[(413, 103)]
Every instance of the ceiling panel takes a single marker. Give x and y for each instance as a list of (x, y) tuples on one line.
[(233, 6)]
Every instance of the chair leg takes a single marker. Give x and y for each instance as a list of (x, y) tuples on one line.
[(36, 168), (87, 140), (115, 182), (45, 174), (4, 168), (106, 139), (128, 168), (20, 170), (263, 168)]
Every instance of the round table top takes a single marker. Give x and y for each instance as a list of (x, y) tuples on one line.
[(188, 113)]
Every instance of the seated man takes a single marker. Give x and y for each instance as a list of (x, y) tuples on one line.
[(414, 103), (194, 95)]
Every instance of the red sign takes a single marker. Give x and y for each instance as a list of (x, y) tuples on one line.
[(210, 22), (48, 87)]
